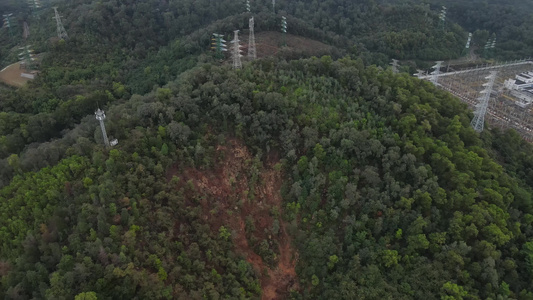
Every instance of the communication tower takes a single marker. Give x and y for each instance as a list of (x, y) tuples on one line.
[(481, 108), (8, 23), (218, 44), (251, 41), (61, 32), (395, 65), (442, 17), (236, 50), (284, 29), (26, 57), (100, 116), (435, 74)]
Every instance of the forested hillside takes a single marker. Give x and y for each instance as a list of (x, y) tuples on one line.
[(292, 178)]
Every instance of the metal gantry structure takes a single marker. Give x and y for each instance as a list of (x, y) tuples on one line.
[(236, 51), (478, 121), (61, 32), (467, 46), (8, 23), (100, 116), (252, 54), (503, 110), (34, 5), (442, 17)]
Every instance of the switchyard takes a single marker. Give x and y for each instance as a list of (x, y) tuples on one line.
[(503, 109)]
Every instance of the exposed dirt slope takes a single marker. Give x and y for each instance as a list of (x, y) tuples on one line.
[(11, 75), (229, 187)]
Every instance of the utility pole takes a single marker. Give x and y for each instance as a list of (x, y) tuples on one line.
[(481, 108), (435, 74), (100, 116), (284, 30), (8, 23), (395, 65), (251, 41), (61, 32), (236, 53), (219, 45)]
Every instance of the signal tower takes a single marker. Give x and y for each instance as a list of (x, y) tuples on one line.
[(8, 23), (251, 41), (219, 45), (61, 32), (481, 108), (395, 65), (284, 30), (100, 116), (435, 74), (27, 57), (442, 17), (236, 50)]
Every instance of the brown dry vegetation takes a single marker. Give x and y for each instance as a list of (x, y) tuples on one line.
[(268, 43), (229, 183), (11, 76)]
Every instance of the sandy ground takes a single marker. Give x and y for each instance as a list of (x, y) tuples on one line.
[(10, 75)]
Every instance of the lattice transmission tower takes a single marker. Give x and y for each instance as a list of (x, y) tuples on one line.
[(284, 30), (236, 52), (34, 5), (218, 44), (100, 116), (248, 7), (442, 17), (435, 74), (8, 23), (481, 108), (61, 32), (467, 46), (395, 65), (274, 6), (251, 40), (26, 58)]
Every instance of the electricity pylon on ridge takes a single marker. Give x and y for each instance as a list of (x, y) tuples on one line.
[(236, 50), (8, 23), (395, 65), (100, 116), (34, 5), (26, 57), (218, 44), (251, 41), (248, 7), (435, 74), (467, 46), (481, 108), (284, 30), (442, 17), (61, 32)]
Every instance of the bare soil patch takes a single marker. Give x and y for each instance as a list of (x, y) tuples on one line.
[(228, 187), (11, 75), (269, 43)]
